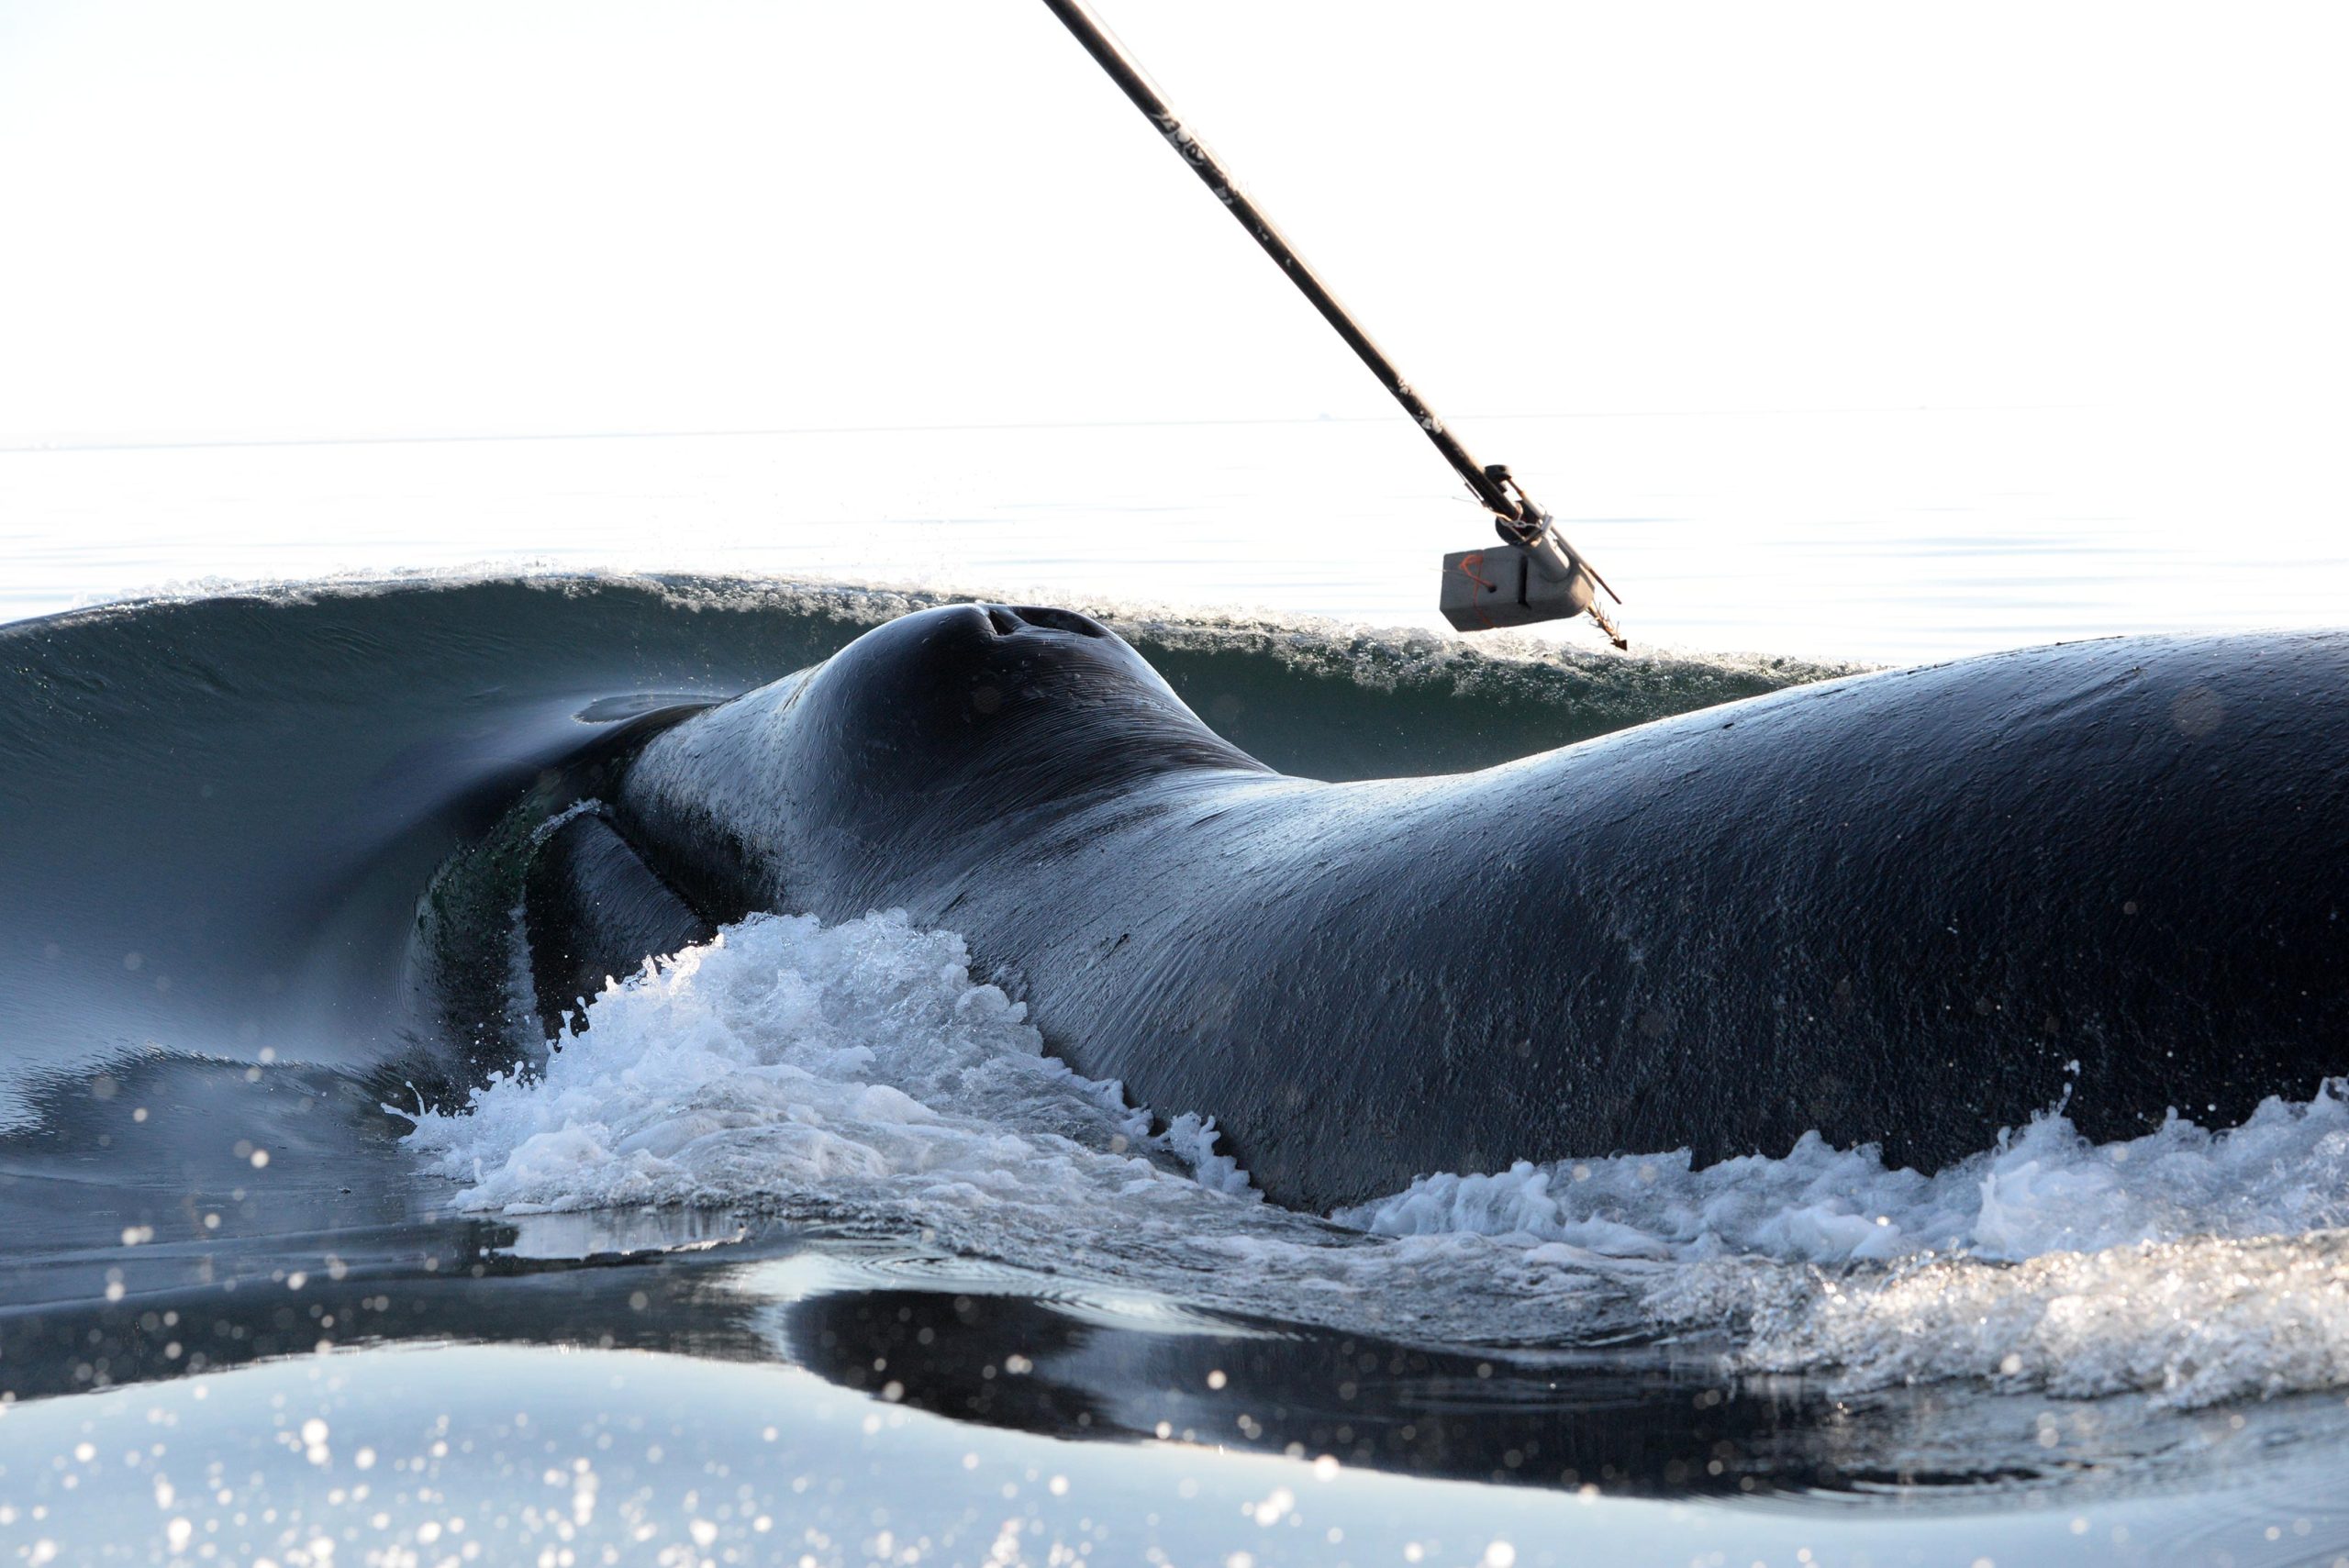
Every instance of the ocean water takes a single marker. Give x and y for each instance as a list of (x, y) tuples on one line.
[(1884, 537), (808, 1249)]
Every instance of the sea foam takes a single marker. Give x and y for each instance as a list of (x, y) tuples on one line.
[(859, 1072), (844, 1065)]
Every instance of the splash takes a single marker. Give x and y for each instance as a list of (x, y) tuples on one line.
[(857, 1072), (855, 1067), (2044, 1189)]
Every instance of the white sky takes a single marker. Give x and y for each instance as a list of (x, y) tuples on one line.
[(236, 219)]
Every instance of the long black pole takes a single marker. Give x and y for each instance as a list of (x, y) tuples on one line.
[(1515, 513), (1128, 75)]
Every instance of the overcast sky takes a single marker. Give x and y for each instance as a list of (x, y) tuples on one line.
[(236, 219)]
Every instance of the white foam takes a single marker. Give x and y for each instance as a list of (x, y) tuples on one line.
[(858, 1072), (2188, 1265), (855, 1066), (2043, 1189), (2189, 1322)]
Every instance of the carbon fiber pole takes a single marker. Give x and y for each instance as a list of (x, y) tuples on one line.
[(1128, 75), (1520, 519)]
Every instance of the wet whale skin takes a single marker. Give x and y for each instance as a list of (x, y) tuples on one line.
[(1908, 909)]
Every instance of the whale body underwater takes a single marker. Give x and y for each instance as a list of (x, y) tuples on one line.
[(1910, 908)]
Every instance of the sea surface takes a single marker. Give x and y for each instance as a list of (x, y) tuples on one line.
[(808, 1250), (1886, 536)]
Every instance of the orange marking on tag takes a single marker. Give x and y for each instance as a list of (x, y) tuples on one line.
[(1468, 564)]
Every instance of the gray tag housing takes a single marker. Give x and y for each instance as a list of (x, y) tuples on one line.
[(1502, 586)]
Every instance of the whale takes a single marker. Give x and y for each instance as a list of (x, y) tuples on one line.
[(1912, 909)]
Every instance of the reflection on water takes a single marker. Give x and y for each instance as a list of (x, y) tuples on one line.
[(791, 1393), (1007, 1350), (1889, 536)]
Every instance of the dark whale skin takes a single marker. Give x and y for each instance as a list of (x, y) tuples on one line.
[(594, 910), (1910, 908)]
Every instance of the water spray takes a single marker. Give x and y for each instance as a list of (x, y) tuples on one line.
[(1534, 574)]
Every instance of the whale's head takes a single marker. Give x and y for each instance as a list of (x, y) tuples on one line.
[(937, 726), (1018, 702)]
